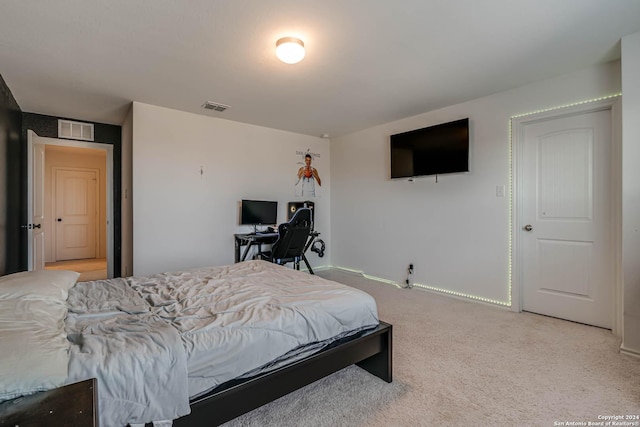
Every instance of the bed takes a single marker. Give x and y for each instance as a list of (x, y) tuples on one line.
[(199, 347)]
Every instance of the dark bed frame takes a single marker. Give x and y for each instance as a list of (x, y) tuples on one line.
[(371, 350), (76, 404)]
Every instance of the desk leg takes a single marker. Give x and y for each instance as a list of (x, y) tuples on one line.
[(304, 258), (309, 243), (237, 250), (246, 251)]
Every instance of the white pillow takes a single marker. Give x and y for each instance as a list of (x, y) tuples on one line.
[(34, 351), (47, 284)]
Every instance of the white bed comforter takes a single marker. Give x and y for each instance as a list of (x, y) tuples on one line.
[(154, 342), (138, 358)]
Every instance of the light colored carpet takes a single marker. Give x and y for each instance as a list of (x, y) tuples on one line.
[(89, 269), (461, 363)]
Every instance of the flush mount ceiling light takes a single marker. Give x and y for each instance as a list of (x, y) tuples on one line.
[(290, 50)]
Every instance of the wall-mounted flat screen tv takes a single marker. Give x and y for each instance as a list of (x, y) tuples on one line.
[(433, 150), (258, 212)]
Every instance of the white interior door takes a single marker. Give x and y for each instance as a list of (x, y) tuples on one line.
[(75, 213), (35, 202), (31, 190), (566, 217)]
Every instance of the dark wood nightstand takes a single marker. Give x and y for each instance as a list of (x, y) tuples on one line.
[(73, 405)]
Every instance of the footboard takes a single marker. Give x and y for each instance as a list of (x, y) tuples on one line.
[(371, 350)]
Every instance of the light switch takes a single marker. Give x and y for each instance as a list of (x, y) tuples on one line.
[(499, 190)]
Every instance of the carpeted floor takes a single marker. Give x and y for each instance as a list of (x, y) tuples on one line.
[(460, 363), (89, 269)]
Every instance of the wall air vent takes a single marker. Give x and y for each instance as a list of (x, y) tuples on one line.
[(75, 130), (214, 106)]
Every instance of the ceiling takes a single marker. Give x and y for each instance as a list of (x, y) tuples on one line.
[(368, 62)]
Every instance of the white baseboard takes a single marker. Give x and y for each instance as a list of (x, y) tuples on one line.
[(435, 289), (362, 273), (629, 352), (316, 268)]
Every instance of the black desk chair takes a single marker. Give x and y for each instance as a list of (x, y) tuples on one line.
[(292, 240)]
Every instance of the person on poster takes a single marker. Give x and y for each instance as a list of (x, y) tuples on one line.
[(307, 178)]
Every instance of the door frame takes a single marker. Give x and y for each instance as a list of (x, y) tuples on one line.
[(109, 184), (35, 169), (612, 104), (54, 210)]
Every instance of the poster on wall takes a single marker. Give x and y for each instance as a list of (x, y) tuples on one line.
[(308, 182)]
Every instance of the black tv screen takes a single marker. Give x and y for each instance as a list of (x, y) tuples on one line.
[(258, 212), (433, 150)]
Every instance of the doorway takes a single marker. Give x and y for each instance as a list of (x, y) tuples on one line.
[(567, 207), (77, 218), (76, 180)]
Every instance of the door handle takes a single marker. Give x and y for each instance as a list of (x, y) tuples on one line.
[(59, 219), (527, 227), (37, 226)]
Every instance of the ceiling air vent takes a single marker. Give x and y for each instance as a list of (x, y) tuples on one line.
[(75, 130), (214, 106)]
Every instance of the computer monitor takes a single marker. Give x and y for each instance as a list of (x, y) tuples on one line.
[(258, 212)]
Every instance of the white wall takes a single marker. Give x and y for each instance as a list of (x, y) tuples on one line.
[(631, 191), (455, 231), (184, 218)]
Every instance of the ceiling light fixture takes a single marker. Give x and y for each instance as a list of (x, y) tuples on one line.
[(290, 50)]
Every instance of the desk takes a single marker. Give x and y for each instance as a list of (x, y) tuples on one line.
[(252, 239), (258, 239)]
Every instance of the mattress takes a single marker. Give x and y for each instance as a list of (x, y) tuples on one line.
[(155, 342)]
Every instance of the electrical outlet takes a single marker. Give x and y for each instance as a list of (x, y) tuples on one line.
[(409, 276)]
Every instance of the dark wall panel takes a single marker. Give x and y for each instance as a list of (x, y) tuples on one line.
[(47, 126), (10, 178)]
